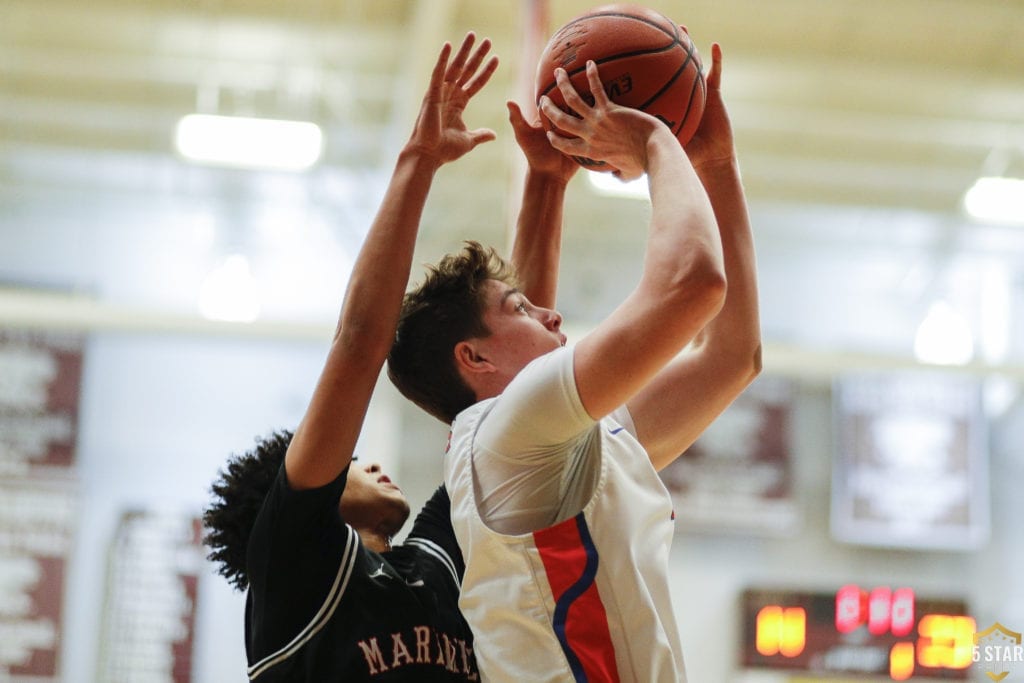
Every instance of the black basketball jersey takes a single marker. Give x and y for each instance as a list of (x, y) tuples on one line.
[(323, 608)]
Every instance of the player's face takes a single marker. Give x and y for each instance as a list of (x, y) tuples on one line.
[(520, 331), (372, 501)]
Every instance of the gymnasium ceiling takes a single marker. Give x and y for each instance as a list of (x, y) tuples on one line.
[(860, 125)]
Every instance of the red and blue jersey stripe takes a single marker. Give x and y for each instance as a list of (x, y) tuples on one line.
[(580, 621)]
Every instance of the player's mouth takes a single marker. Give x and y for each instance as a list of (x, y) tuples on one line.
[(386, 481)]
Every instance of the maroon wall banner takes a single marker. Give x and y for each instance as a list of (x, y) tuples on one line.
[(37, 522), (149, 615), (40, 381), (738, 475)]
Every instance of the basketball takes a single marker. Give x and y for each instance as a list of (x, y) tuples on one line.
[(645, 59)]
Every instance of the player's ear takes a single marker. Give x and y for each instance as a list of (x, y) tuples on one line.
[(469, 358)]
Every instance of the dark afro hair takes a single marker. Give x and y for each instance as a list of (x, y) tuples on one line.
[(238, 495)]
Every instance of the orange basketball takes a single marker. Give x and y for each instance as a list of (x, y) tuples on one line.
[(645, 59)]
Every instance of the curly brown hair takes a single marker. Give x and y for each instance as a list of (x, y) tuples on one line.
[(445, 309), (239, 492)]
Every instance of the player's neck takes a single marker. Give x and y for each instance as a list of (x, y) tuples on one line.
[(375, 541)]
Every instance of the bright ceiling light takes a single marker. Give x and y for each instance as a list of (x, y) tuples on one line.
[(606, 183), (230, 292), (943, 337), (242, 142), (996, 199)]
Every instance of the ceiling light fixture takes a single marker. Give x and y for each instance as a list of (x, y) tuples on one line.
[(943, 337), (243, 142), (230, 292), (997, 199)]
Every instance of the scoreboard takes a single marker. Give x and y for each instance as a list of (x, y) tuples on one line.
[(878, 631)]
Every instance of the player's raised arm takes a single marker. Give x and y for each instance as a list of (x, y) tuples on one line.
[(538, 238), (324, 441), (683, 282), (694, 389)]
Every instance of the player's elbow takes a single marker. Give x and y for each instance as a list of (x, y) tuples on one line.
[(756, 364), (745, 368), (743, 364), (700, 288)]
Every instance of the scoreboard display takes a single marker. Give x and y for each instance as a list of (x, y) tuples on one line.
[(880, 631)]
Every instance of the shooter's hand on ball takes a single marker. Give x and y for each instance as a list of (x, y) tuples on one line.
[(712, 143), (604, 131)]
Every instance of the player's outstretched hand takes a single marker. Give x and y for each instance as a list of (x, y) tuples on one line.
[(603, 131), (542, 158), (713, 141), (440, 131)]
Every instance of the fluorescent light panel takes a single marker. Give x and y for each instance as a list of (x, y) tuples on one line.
[(244, 142), (996, 199)]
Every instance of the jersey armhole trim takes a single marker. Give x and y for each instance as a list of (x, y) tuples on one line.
[(347, 564), (437, 551)]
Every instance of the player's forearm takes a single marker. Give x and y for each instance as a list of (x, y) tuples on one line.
[(684, 251), (325, 438), (736, 330), (538, 238), (381, 272)]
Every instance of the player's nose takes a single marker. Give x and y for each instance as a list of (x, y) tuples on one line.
[(552, 319)]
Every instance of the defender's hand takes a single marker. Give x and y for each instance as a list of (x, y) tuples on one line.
[(440, 131)]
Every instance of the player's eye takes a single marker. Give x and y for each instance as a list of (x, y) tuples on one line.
[(521, 307)]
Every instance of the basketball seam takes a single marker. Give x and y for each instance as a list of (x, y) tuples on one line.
[(621, 55), (674, 35), (689, 104), (625, 16), (675, 77)]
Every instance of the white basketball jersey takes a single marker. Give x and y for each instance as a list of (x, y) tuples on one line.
[(586, 599)]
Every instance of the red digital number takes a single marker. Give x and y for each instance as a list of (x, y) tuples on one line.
[(879, 610), (850, 608), (903, 612), (883, 610)]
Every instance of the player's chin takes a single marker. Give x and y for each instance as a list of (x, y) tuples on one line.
[(398, 513)]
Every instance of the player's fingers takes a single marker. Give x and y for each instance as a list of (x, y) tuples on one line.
[(521, 128), (433, 92), (572, 146), (596, 87), (541, 118), (437, 75), (480, 79), (569, 94), (475, 61), (455, 68), (558, 118), (515, 117), (481, 135), (714, 77)]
